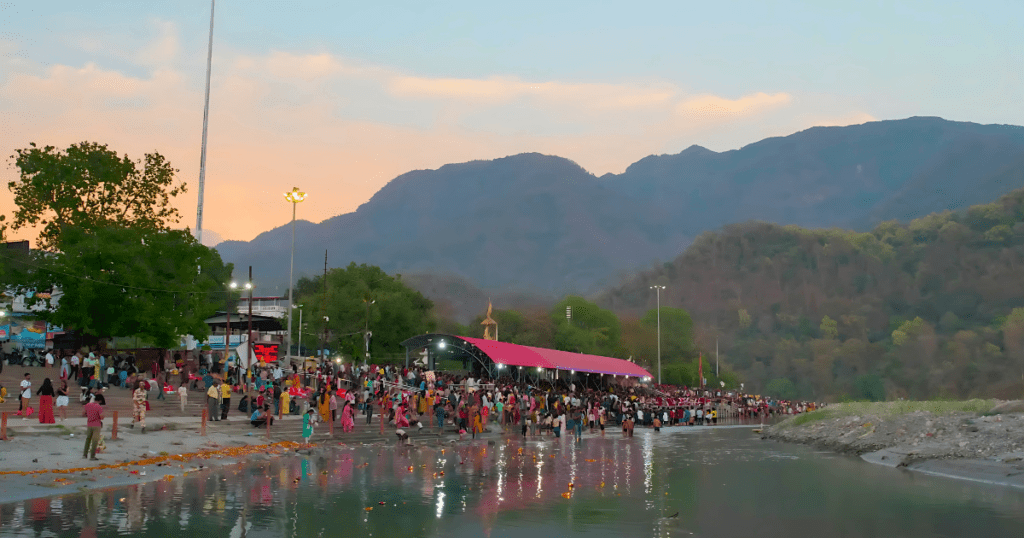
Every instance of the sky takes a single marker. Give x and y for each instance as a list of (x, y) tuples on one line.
[(337, 98)]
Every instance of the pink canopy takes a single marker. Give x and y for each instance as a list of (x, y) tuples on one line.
[(532, 357)]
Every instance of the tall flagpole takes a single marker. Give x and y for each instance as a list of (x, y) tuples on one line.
[(206, 118)]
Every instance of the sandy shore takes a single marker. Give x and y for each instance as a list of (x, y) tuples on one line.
[(985, 445)]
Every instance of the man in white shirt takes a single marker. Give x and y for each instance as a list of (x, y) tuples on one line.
[(49, 359), (26, 395)]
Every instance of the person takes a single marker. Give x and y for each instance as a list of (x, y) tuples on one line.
[(348, 417), (183, 395), (324, 406), (225, 402), (307, 425), (26, 396), (139, 406), (657, 424), (94, 415), (62, 400), (46, 395), (261, 416), (97, 396), (49, 358), (213, 401), (334, 406), (286, 401)]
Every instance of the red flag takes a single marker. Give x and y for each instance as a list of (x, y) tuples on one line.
[(700, 370)]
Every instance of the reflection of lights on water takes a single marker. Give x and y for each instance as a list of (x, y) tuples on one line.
[(648, 463), (540, 474), (440, 503)]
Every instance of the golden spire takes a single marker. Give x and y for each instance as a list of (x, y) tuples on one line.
[(488, 323)]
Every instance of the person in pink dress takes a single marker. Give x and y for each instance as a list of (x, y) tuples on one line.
[(401, 420), (348, 418)]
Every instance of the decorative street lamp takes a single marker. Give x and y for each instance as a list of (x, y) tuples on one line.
[(658, 291), (295, 196)]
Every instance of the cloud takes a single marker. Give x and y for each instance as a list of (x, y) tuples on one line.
[(712, 107)]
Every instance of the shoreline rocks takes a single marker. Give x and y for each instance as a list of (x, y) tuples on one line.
[(968, 444)]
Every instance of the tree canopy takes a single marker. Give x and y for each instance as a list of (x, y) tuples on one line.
[(117, 281), (357, 297), (89, 186)]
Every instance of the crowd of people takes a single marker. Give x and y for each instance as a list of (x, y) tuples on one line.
[(399, 397)]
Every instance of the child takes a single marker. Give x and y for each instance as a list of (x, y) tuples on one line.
[(307, 425)]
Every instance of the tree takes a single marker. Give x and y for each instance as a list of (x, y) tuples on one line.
[(360, 297), (593, 330), (782, 388), (829, 328), (88, 186), (1013, 338), (869, 387), (117, 281), (676, 331)]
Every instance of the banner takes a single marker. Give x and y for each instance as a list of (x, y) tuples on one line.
[(30, 334), (217, 341), (5, 331)]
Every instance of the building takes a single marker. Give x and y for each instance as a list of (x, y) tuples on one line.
[(272, 307)]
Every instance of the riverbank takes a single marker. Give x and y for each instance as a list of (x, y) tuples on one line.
[(978, 440)]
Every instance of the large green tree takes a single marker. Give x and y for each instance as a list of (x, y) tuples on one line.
[(676, 332), (90, 186), (591, 330), (113, 281), (358, 297)]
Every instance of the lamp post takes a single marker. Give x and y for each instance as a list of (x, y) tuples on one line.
[(366, 331), (657, 290), (295, 196), (248, 286), (300, 332), (227, 328)]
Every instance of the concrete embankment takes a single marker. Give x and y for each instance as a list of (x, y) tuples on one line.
[(981, 440)]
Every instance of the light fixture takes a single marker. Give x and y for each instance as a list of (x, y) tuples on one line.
[(295, 196), (233, 285), (539, 369), (441, 344), (248, 285)]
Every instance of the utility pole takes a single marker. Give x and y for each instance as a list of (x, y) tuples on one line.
[(323, 313), (657, 290), (249, 340), (716, 356), (206, 120)]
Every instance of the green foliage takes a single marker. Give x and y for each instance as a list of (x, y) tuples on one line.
[(592, 330), (782, 388), (117, 282), (829, 328), (89, 186), (869, 387), (360, 297), (676, 332)]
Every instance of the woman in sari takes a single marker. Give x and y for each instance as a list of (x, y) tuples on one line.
[(348, 418), (324, 407)]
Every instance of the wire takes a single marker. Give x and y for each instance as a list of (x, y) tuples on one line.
[(93, 280)]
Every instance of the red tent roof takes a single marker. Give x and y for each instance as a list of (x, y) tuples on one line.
[(516, 355)]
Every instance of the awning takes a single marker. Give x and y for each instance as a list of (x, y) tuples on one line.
[(533, 357), (510, 354)]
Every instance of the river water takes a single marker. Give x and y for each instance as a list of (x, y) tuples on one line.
[(722, 482)]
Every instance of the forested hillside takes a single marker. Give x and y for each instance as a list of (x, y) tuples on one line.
[(919, 310)]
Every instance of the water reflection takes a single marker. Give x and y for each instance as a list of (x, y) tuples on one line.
[(721, 483)]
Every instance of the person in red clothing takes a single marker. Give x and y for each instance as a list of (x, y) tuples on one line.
[(94, 415)]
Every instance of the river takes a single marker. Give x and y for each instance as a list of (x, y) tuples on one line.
[(722, 482)]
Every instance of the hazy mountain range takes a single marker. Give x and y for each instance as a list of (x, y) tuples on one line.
[(538, 224)]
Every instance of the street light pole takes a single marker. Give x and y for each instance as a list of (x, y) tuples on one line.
[(295, 196), (227, 329), (657, 290), (366, 330), (300, 332)]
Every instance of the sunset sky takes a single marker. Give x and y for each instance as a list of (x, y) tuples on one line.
[(338, 98)]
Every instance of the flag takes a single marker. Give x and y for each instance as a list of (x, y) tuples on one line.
[(700, 369)]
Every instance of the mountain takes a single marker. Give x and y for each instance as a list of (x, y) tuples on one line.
[(915, 310), (542, 224)]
